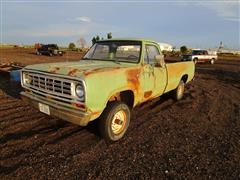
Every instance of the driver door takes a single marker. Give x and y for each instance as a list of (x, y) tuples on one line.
[(156, 77)]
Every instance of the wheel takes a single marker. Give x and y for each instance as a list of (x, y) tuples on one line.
[(114, 121), (50, 54), (195, 60), (212, 61), (38, 53), (179, 91)]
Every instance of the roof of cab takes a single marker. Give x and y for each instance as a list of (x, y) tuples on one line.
[(129, 39)]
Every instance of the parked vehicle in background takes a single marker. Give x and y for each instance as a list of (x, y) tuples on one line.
[(199, 55), (113, 77), (48, 49)]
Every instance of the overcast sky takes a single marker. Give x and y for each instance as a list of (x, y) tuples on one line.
[(197, 24)]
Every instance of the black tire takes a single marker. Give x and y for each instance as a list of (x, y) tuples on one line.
[(179, 91), (111, 128), (38, 53), (195, 60), (212, 61)]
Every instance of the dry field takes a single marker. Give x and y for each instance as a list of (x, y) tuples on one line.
[(28, 56), (195, 138)]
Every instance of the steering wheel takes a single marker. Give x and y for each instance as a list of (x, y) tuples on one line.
[(132, 57)]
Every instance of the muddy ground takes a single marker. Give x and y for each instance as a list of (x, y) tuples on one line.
[(197, 137)]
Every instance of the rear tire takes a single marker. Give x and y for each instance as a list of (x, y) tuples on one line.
[(114, 121), (212, 61), (179, 91), (195, 60)]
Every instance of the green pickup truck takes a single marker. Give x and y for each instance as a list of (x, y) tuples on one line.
[(112, 78)]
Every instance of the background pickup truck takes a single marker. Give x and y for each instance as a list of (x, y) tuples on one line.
[(200, 56), (49, 49), (113, 77)]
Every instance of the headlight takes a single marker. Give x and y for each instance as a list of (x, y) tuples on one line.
[(80, 91), (26, 78)]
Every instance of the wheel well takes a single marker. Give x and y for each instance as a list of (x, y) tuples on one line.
[(184, 78), (124, 96)]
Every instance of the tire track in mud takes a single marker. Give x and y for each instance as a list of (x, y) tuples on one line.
[(197, 137)]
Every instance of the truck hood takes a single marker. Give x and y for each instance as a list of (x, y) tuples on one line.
[(78, 69)]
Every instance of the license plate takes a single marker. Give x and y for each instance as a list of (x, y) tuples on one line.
[(44, 108)]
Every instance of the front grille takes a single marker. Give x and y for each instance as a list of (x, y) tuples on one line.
[(55, 87), (50, 84)]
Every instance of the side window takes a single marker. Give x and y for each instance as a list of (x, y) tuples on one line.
[(151, 52)]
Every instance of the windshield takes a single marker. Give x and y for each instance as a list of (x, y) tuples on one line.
[(118, 51)]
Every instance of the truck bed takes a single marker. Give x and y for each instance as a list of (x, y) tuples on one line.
[(176, 71)]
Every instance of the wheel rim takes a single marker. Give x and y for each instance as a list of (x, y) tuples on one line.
[(180, 90), (212, 61), (119, 122)]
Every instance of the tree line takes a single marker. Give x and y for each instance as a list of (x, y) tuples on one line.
[(82, 42)]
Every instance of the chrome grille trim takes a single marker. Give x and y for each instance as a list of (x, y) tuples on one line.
[(55, 86)]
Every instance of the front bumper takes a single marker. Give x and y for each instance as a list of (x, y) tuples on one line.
[(71, 115)]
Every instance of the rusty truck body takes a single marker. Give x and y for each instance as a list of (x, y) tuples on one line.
[(112, 78)]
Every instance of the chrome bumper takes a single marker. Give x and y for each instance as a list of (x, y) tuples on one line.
[(71, 115)]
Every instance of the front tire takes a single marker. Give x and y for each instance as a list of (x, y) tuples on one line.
[(179, 91), (114, 121)]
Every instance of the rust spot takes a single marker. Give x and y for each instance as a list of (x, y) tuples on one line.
[(99, 70), (133, 79), (118, 121), (72, 72), (115, 97), (54, 70), (96, 113), (147, 94)]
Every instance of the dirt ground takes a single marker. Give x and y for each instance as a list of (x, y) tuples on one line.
[(195, 138), (28, 56)]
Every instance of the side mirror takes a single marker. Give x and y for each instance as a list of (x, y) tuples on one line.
[(159, 60)]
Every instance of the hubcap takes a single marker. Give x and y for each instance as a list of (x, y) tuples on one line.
[(119, 122)]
